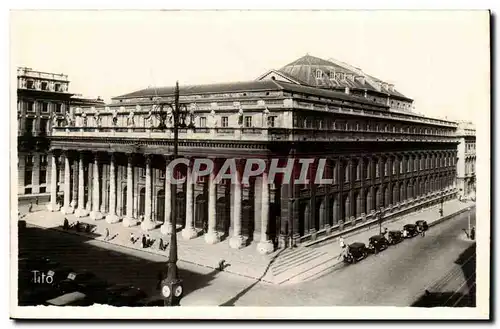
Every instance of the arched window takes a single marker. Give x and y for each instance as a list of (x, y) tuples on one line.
[(319, 74)]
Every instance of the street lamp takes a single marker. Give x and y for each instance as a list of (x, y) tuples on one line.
[(441, 210), (171, 286), (380, 218)]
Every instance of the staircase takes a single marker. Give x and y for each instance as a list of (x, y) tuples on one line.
[(301, 264)]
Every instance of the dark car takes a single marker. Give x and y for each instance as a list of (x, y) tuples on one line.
[(355, 252), (411, 230), (129, 297), (85, 282), (395, 237), (105, 295), (377, 243), (422, 225), (59, 273)]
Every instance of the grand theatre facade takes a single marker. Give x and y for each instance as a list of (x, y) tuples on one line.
[(111, 162)]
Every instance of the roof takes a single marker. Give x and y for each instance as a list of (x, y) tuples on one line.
[(247, 86), (304, 70), (242, 86)]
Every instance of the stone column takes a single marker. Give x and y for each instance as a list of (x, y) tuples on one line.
[(95, 214), (189, 232), (236, 240), (167, 228), (129, 219), (74, 185), (81, 211), (53, 206), (148, 224), (112, 217), (265, 245), (211, 236), (67, 209), (88, 205)]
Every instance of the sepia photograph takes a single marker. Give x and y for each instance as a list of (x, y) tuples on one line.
[(253, 164)]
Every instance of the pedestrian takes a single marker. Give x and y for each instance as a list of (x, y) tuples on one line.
[(66, 223), (132, 237), (472, 233), (77, 226), (30, 207), (107, 234), (144, 241), (161, 245), (205, 226), (36, 201)]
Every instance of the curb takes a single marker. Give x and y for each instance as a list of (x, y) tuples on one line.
[(444, 218), (146, 251)]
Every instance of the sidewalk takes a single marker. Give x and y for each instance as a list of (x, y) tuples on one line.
[(290, 265)]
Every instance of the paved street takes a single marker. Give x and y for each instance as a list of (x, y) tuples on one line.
[(398, 276)]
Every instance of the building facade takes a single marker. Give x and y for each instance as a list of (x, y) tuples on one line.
[(466, 160), (381, 160), (42, 102)]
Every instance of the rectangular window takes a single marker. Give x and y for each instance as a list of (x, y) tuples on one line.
[(43, 160), (142, 172), (43, 176), (225, 122), (203, 122), (30, 106), (45, 107), (58, 87), (401, 166), (162, 173), (30, 84), (43, 189), (45, 85), (27, 190), (248, 122), (58, 107), (28, 177), (29, 125), (29, 160), (271, 122), (43, 126)]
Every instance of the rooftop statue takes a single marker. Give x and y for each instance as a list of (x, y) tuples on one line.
[(130, 119)]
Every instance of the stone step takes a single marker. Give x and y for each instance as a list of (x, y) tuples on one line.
[(296, 261), (297, 252), (290, 273), (328, 266)]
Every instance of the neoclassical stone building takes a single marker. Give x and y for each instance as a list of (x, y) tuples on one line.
[(114, 161), (466, 159)]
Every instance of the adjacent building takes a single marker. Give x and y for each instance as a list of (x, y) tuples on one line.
[(383, 159), (466, 160), (42, 102)]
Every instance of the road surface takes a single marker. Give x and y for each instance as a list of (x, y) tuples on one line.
[(398, 276)]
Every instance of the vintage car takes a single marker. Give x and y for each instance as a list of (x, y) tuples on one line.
[(411, 230), (129, 297), (422, 225), (75, 298), (355, 252), (85, 282), (377, 243), (394, 237)]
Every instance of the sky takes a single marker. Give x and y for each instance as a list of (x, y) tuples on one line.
[(438, 58)]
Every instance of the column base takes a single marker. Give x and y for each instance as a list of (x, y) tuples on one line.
[(166, 228), (81, 212), (111, 219), (236, 242), (129, 222), (189, 233), (265, 247), (67, 210), (211, 237), (147, 225), (53, 207), (96, 215)]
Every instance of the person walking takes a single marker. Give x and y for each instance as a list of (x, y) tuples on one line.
[(106, 237), (66, 223), (341, 242), (30, 207), (472, 233), (132, 237), (144, 241), (161, 245)]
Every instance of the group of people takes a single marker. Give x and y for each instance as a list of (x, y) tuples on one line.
[(147, 241)]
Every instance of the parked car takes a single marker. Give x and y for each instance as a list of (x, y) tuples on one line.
[(355, 252), (411, 230), (377, 243), (75, 298), (129, 297), (395, 237), (59, 273), (105, 295), (422, 225)]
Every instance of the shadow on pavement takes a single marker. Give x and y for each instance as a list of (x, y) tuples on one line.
[(234, 299), (112, 265), (467, 262)]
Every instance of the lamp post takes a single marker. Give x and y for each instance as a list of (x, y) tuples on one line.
[(380, 218), (441, 211), (171, 286)]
